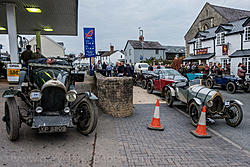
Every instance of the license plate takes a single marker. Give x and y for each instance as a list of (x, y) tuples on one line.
[(13, 72), (52, 129)]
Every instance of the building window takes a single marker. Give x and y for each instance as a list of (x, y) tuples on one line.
[(121, 56), (157, 51), (130, 50), (247, 33), (246, 61), (224, 63), (220, 38), (130, 61), (198, 43)]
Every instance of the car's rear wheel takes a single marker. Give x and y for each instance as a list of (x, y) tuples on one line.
[(194, 113), (235, 113), (150, 88), (209, 83), (231, 87), (87, 116), (144, 84), (169, 98), (12, 119)]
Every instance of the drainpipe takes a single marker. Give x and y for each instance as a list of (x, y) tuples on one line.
[(241, 41)]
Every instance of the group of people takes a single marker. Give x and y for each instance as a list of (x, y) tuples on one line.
[(214, 68), (28, 55), (119, 70)]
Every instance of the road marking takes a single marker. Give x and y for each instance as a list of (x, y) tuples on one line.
[(218, 134)]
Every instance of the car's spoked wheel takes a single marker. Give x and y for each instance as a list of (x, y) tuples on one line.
[(12, 119), (231, 87), (87, 117), (169, 98), (144, 84), (236, 115), (194, 113), (149, 88), (209, 83)]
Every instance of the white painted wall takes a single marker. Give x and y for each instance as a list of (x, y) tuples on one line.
[(49, 47), (147, 53), (209, 44), (129, 58), (117, 56), (191, 48), (246, 45)]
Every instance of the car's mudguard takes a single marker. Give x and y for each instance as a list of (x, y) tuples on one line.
[(91, 95), (172, 90), (10, 93), (197, 101), (236, 101), (80, 97)]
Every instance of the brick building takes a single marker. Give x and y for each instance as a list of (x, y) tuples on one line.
[(212, 16)]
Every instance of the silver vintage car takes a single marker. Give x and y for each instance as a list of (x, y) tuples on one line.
[(197, 95)]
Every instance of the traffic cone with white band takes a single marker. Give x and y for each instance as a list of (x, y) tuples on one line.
[(156, 123), (201, 128)]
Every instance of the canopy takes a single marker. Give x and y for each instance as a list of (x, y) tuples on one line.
[(240, 53), (199, 57), (60, 15)]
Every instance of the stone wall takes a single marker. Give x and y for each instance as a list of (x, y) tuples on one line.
[(115, 95)]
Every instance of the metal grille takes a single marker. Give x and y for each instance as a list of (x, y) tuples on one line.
[(53, 99)]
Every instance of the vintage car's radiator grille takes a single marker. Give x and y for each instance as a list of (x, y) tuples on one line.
[(53, 99), (217, 104)]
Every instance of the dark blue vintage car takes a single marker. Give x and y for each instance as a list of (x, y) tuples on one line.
[(230, 83), (192, 76)]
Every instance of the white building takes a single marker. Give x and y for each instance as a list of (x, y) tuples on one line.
[(138, 50), (49, 47), (226, 44), (112, 57)]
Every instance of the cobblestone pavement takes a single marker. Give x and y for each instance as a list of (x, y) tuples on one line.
[(241, 133), (174, 146)]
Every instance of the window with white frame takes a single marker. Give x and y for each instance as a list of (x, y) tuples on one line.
[(130, 51), (198, 43), (246, 61), (220, 38), (224, 63), (247, 33)]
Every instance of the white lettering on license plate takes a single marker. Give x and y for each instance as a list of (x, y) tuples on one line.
[(52, 129)]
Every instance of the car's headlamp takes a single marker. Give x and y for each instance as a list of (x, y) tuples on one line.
[(71, 95), (210, 103), (35, 95)]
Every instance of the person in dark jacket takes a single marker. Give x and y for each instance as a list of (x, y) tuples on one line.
[(27, 55), (150, 67), (104, 66), (121, 69), (37, 54)]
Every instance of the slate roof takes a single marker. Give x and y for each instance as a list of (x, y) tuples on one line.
[(199, 57), (231, 28), (146, 45), (241, 53), (174, 49), (231, 14)]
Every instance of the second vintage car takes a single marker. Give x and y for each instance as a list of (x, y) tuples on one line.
[(163, 77), (196, 96)]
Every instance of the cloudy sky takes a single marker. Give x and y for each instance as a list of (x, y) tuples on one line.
[(117, 21)]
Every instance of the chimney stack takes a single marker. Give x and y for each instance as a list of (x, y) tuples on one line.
[(141, 38), (111, 48)]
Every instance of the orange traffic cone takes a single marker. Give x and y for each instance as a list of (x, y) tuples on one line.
[(156, 123), (201, 128)]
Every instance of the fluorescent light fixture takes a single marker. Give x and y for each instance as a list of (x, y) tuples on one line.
[(2, 29), (34, 10), (48, 29)]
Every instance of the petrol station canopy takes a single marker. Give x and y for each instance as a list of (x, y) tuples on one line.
[(57, 17)]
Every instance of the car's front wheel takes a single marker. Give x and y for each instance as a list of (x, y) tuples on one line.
[(235, 113), (169, 98), (194, 113), (12, 119), (150, 88), (231, 87), (87, 116)]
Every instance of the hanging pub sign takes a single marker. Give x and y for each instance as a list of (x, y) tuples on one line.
[(201, 51), (224, 49)]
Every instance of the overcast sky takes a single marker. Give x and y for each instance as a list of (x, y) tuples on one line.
[(117, 21)]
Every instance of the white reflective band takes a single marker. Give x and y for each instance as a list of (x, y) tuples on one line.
[(157, 112), (202, 120)]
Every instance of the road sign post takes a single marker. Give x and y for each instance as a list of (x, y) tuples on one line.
[(89, 45)]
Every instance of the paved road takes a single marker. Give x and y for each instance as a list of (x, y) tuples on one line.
[(240, 134)]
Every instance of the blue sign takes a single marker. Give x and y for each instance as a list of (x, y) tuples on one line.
[(89, 42), (1, 46)]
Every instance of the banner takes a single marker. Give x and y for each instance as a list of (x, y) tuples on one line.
[(89, 42)]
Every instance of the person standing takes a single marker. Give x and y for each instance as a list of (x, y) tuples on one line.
[(27, 55), (109, 69), (37, 54), (121, 69), (242, 71), (150, 67), (104, 65)]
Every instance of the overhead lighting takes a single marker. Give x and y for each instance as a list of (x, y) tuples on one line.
[(48, 29), (34, 10), (2, 29)]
